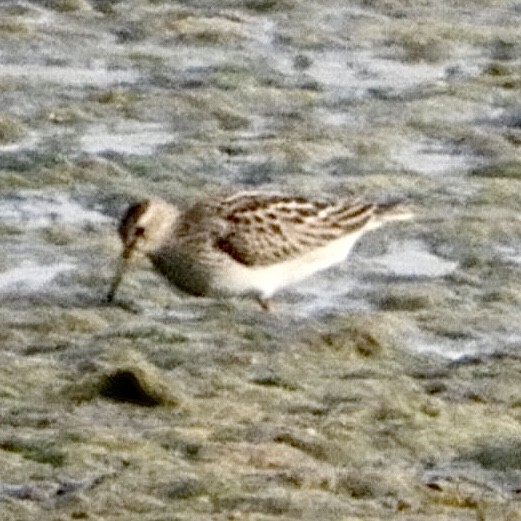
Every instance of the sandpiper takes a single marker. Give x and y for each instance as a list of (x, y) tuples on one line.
[(249, 243)]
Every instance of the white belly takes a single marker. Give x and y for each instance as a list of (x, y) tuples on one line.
[(266, 280)]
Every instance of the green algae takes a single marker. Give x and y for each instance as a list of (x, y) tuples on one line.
[(12, 29), (10, 129), (502, 169), (35, 450)]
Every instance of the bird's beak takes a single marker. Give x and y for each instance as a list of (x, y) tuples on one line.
[(122, 267)]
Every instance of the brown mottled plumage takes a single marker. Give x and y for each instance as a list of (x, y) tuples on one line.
[(248, 243)]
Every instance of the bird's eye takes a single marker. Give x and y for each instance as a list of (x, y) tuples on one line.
[(139, 231)]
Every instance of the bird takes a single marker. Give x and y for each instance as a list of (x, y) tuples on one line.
[(247, 243)]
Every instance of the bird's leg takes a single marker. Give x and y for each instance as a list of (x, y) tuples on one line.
[(265, 304)]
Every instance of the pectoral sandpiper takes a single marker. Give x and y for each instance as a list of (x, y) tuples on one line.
[(249, 243)]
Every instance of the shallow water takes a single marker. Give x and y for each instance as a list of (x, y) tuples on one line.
[(44, 208), (134, 139), (412, 259)]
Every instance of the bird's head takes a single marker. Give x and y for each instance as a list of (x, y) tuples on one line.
[(145, 227)]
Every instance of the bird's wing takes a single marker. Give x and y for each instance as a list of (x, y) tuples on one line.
[(264, 229)]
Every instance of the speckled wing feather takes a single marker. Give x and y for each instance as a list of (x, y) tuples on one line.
[(265, 229)]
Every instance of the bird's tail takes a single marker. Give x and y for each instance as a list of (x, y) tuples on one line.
[(393, 211)]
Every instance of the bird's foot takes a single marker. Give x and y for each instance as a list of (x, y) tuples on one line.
[(264, 303)]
